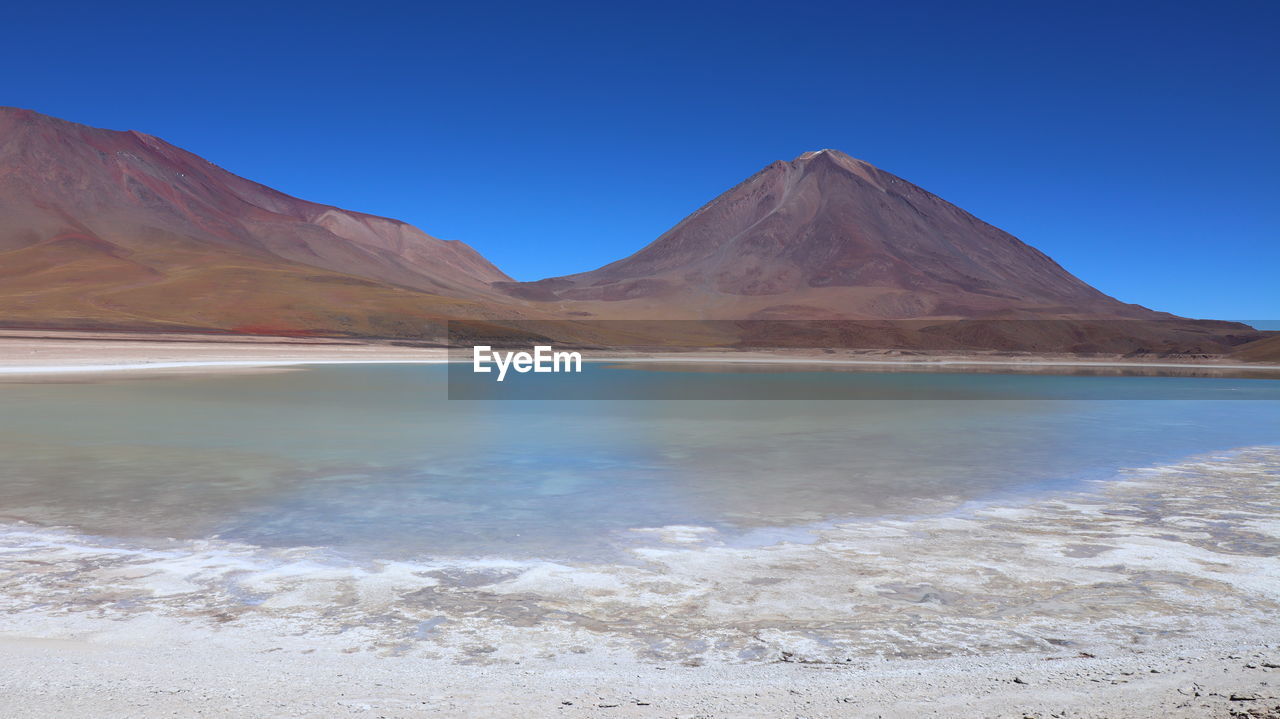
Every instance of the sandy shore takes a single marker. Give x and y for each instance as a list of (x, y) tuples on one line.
[(34, 353), (1157, 595)]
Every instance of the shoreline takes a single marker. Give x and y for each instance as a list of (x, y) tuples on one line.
[(52, 354), (198, 364), (142, 365), (83, 354), (1151, 595), (954, 362)]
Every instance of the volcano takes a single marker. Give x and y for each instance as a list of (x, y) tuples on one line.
[(830, 236)]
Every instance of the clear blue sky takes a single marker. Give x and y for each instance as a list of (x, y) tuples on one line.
[(1136, 143)]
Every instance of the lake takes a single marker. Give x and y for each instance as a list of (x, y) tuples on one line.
[(374, 460)]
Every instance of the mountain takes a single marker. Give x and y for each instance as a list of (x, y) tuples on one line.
[(828, 236), (107, 229), (101, 229)]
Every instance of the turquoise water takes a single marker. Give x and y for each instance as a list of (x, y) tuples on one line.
[(373, 460)]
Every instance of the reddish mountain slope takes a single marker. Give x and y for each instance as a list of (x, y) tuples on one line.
[(828, 236), (105, 228)]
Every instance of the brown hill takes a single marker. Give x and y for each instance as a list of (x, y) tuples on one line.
[(1264, 349), (100, 228), (826, 236)]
